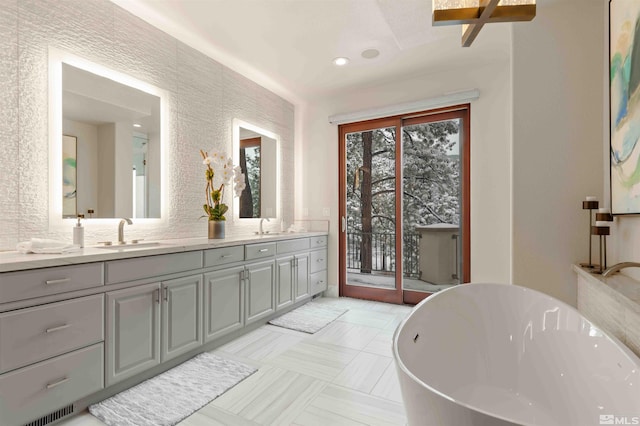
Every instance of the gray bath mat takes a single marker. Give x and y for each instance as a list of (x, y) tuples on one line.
[(170, 397), (309, 318)]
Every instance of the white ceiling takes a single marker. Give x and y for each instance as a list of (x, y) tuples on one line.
[(288, 45)]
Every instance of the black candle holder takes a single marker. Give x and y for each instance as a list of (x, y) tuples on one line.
[(604, 217), (601, 232), (591, 206)]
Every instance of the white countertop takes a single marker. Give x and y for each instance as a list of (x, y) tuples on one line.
[(16, 261), (618, 283)]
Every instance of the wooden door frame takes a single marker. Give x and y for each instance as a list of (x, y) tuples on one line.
[(361, 292), (398, 295)]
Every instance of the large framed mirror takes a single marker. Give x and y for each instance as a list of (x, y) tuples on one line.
[(257, 152), (106, 142)]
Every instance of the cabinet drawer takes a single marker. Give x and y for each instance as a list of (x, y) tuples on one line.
[(317, 242), (33, 334), (21, 285), (318, 261), (289, 246), (221, 256), (31, 392), (118, 271), (258, 251), (317, 282)]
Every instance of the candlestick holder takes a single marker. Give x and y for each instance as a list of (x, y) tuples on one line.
[(591, 206), (604, 217), (601, 232)]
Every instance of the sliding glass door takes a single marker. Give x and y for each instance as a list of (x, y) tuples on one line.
[(404, 205), (371, 207)]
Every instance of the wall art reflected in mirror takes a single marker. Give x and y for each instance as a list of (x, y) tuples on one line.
[(117, 134), (256, 151), (69, 176)]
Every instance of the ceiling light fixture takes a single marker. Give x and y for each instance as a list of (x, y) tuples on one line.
[(473, 14), (341, 61), (137, 125)]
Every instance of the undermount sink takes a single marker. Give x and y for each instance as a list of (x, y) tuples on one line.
[(130, 246)]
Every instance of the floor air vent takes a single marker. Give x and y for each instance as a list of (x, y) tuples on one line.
[(52, 417)]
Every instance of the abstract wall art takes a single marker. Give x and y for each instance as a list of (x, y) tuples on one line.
[(624, 83)]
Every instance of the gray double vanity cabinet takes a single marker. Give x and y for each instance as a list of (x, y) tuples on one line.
[(80, 331)]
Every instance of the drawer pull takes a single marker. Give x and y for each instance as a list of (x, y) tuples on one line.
[(224, 256), (319, 241), (321, 282), (60, 281), (58, 383), (58, 328), (320, 260), (263, 250)]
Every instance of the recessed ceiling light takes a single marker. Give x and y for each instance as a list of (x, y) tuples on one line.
[(370, 53), (341, 61), (137, 125)]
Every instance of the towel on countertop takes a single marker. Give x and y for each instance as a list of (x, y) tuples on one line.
[(44, 246)]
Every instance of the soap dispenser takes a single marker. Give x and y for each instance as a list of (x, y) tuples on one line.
[(78, 232)]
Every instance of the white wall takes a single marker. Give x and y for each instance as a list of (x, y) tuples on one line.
[(123, 169), (153, 176), (557, 140), (268, 177), (106, 171), (490, 158)]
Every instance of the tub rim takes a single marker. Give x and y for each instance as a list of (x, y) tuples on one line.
[(400, 364)]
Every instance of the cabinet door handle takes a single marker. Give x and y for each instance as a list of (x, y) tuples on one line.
[(263, 250), (57, 383), (320, 260), (166, 294), (156, 293), (58, 328), (321, 282), (60, 281)]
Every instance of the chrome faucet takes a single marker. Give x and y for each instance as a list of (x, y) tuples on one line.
[(618, 266), (121, 230), (262, 219)]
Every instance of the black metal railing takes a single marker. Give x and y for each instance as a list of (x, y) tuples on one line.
[(383, 253)]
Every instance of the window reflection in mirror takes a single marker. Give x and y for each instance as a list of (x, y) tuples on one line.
[(250, 165), (256, 152), (117, 132)]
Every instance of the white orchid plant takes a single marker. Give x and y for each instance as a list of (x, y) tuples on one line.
[(216, 181)]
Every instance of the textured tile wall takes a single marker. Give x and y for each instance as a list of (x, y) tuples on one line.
[(9, 174), (203, 98)]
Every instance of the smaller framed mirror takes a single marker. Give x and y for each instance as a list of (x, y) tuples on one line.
[(257, 152)]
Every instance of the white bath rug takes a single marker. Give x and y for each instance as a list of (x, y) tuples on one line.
[(309, 318), (170, 397)]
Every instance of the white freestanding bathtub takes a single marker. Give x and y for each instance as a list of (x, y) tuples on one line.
[(498, 354)]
